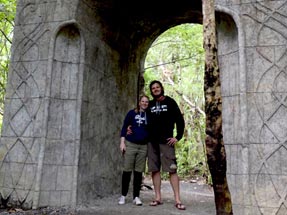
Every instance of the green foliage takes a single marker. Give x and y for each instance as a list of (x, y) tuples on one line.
[(176, 58), (7, 14)]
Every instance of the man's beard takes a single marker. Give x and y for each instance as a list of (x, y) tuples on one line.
[(157, 96)]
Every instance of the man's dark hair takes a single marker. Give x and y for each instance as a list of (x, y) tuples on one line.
[(159, 83)]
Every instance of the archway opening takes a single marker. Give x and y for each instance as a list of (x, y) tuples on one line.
[(176, 58)]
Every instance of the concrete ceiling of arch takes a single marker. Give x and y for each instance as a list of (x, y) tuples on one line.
[(141, 19)]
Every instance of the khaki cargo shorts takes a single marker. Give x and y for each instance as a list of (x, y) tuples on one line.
[(161, 156), (135, 157)]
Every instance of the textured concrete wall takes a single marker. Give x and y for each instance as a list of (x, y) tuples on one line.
[(75, 71), (99, 161), (252, 48)]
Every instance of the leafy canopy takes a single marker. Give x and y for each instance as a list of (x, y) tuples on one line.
[(7, 14)]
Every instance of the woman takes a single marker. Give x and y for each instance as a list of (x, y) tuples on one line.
[(134, 149)]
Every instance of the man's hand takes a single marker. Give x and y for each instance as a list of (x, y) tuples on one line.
[(129, 130), (171, 141)]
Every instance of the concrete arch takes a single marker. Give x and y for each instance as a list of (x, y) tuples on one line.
[(115, 36), (116, 53)]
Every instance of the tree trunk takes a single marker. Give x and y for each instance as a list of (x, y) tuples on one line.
[(215, 150)]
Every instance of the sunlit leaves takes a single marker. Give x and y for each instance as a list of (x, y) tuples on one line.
[(7, 14)]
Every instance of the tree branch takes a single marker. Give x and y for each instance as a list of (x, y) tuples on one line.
[(6, 37)]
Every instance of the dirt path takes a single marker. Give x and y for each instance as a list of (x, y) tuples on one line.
[(198, 199)]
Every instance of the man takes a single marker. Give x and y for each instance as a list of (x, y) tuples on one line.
[(163, 115)]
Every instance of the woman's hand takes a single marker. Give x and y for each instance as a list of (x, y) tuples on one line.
[(123, 147)]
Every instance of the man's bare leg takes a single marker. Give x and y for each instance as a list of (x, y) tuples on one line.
[(174, 181), (156, 179)]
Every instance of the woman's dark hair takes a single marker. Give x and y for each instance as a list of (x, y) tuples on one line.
[(159, 83)]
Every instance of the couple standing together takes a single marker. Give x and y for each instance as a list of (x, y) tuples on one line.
[(150, 134)]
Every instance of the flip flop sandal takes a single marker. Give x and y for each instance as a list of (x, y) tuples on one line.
[(155, 203), (180, 206)]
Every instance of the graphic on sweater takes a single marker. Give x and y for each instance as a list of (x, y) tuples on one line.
[(158, 108), (140, 119)]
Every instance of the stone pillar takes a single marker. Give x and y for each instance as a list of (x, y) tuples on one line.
[(252, 49), (59, 144), (41, 129)]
